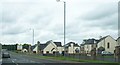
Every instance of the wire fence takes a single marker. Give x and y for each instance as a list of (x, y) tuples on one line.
[(107, 58)]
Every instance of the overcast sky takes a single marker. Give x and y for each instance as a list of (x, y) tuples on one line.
[(84, 19)]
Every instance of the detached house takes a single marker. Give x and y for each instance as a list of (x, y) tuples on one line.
[(72, 47), (107, 43), (49, 47), (88, 44)]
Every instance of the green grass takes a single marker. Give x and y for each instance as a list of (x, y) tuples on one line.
[(66, 58), (76, 60)]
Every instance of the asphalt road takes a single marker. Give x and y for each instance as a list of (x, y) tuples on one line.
[(21, 59)]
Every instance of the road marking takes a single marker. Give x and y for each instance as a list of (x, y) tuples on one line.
[(32, 61), (14, 61)]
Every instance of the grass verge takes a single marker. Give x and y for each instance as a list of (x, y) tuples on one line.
[(67, 59)]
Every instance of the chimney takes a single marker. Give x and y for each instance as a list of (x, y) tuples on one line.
[(100, 37)]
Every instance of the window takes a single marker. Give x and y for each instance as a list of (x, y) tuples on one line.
[(108, 45), (41, 51), (52, 49), (53, 52), (47, 52)]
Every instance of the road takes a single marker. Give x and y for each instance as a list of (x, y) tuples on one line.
[(21, 59)]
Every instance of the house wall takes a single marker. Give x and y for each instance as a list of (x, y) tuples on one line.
[(71, 49), (49, 47), (87, 48), (76, 48), (104, 43), (60, 49), (82, 49), (118, 42), (19, 47), (35, 49)]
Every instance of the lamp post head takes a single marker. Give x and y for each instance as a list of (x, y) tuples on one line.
[(58, 0)]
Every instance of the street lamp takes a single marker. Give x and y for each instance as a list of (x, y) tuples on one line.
[(32, 39), (32, 35), (64, 21)]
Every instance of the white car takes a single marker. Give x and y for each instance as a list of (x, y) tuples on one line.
[(106, 53)]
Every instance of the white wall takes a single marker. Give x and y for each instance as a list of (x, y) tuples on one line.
[(87, 48), (60, 49), (35, 49), (19, 47), (49, 47), (118, 42), (71, 49)]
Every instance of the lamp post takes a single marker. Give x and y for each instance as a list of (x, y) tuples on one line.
[(32, 35), (64, 21), (32, 39)]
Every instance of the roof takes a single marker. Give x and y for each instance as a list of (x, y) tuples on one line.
[(43, 45), (82, 44), (58, 44), (117, 47), (102, 38), (74, 44), (118, 38), (32, 47), (90, 41)]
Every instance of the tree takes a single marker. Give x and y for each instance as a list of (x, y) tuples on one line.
[(26, 46)]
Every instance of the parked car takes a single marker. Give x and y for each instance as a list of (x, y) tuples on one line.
[(106, 53), (5, 55)]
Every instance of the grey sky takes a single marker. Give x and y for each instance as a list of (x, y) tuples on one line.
[(85, 19)]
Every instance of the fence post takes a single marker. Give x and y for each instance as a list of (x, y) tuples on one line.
[(93, 53), (117, 53)]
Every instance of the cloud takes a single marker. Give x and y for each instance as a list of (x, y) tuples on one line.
[(100, 12), (84, 19)]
